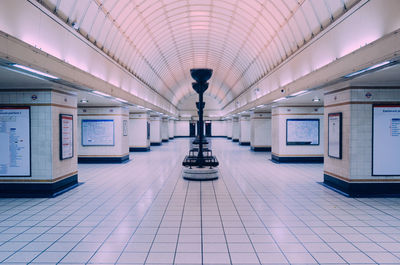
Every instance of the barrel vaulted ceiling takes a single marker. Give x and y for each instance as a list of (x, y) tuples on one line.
[(160, 40)]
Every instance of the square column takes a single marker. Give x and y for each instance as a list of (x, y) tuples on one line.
[(260, 135), (171, 129), (103, 134), (164, 129), (235, 129), (297, 134), (139, 132), (245, 127), (229, 128), (38, 145), (155, 130), (362, 140)]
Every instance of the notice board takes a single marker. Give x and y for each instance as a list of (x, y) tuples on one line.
[(386, 140), (66, 136), (302, 132), (335, 135), (97, 132), (15, 153)]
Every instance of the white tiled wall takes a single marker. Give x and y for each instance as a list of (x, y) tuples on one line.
[(218, 128), (260, 134), (182, 128), (164, 129), (229, 128), (245, 127), (138, 130), (155, 129), (171, 128), (279, 117), (235, 128), (121, 142)]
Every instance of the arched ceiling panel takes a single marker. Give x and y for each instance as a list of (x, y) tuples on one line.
[(159, 41)]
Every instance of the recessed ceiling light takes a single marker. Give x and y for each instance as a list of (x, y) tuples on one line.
[(34, 71), (84, 100), (316, 99), (101, 93)]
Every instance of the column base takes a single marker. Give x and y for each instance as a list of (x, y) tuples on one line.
[(357, 189), (155, 144), (139, 149), (38, 190), (103, 159), (196, 173), (261, 148), (297, 159), (244, 143)]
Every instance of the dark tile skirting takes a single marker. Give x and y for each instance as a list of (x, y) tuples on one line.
[(38, 190), (261, 149), (155, 144), (244, 143), (94, 160), (139, 149), (235, 140), (297, 159), (165, 140), (370, 189)]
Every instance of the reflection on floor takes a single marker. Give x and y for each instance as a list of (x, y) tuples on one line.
[(143, 212)]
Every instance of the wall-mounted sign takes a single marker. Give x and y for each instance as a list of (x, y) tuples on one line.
[(386, 140), (335, 135), (302, 132), (15, 153), (66, 136), (125, 127), (97, 132)]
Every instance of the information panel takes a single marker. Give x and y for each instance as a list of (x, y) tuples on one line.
[(386, 140), (335, 135), (15, 153), (302, 132), (66, 136), (97, 132)]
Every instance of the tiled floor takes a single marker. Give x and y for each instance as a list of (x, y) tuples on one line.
[(143, 212)]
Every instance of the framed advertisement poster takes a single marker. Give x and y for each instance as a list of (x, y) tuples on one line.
[(66, 136), (15, 142), (386, 140), (302, 132), (97, 132), (335, 135)]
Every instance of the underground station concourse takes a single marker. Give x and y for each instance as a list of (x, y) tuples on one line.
[(199, 132)]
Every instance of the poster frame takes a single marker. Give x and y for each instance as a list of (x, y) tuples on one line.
[(298, 144), (30, 137), (340, 114), (61, 145), (390, 105), (94, 120)]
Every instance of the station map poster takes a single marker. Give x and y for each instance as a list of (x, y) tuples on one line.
[(97, 132), (386, 140), (302, 132), (335, 135), (15, 153), (66, 136)]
